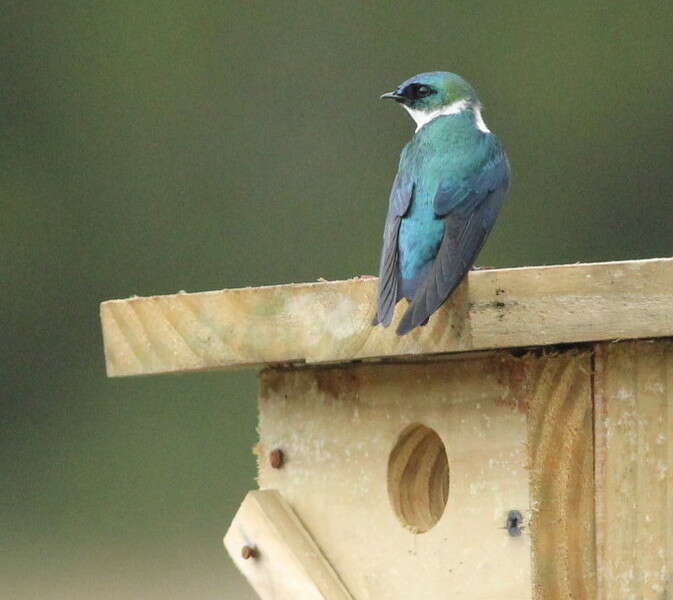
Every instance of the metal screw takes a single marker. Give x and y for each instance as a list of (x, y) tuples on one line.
[(276, 458), (514, 523), (248, 552)]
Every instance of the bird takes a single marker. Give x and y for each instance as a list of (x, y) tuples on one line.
[(452, 179)]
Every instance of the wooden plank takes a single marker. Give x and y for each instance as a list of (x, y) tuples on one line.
[(339, 429), (281, 561), (330, 321), (634, 479), (560, 445), (518, 436)]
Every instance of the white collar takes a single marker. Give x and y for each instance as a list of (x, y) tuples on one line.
[(422, 118)]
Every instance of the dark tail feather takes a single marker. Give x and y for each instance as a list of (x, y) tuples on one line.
[(412, 318)]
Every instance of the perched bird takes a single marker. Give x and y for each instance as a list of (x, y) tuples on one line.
[(451, 181)]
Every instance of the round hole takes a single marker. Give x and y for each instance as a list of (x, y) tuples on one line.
[(418, 478)]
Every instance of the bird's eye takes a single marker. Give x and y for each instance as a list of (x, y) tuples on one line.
[(422, 91)]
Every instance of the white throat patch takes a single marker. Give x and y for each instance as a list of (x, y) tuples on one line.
[(423, 118), (479, 120)]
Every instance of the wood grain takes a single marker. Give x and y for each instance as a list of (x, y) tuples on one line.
[(634, 475), (287, 564), (518, 436), (330, 321), (560, 445), (341, 428)]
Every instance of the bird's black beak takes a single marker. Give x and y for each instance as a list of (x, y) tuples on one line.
[(393, 95)]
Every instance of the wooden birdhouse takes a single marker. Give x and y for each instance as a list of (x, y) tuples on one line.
[(518, 446)]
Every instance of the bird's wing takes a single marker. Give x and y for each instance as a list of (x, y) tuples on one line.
[(469, 209), (400, 199)]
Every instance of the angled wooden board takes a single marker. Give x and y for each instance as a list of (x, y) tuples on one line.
[(330, 321), (283, 562)]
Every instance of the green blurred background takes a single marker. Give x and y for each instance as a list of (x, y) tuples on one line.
[(150, 147)]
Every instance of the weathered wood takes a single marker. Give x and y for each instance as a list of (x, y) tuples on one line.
[(634, 478), (344, 433), (281, 561), (330, 322), (560, 445)]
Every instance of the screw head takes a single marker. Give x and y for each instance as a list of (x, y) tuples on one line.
[(514, 523), (248, 552), (276, 458)]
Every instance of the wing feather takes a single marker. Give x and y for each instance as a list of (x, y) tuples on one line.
[(469, 211), (398, 204)]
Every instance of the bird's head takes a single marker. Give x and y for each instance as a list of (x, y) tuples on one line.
[(428, 95)]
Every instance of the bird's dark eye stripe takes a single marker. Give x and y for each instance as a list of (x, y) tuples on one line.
[(419, 90)]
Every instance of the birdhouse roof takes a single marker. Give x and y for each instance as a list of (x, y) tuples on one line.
[(330, 321)]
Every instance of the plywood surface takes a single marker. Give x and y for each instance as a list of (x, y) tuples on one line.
[(330, 321)]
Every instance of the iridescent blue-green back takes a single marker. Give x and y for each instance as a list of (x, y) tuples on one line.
[(451, 182), (445, 151)]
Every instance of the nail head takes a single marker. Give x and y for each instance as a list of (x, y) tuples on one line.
[(276, 458)]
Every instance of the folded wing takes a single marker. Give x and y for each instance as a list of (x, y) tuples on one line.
[(400, 199), (469, 209)]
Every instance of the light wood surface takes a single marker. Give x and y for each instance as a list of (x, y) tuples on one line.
[(560, 445), (330, 321), (634, 475), (341, 428), (283, 562), (418, 478), (404, 469)]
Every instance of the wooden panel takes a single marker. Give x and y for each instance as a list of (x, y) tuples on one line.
[(560, 443), (338, 427), (634, 451), (330, 322), (283, 562)]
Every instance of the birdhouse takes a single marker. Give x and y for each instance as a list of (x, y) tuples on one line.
[(517, 446)]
